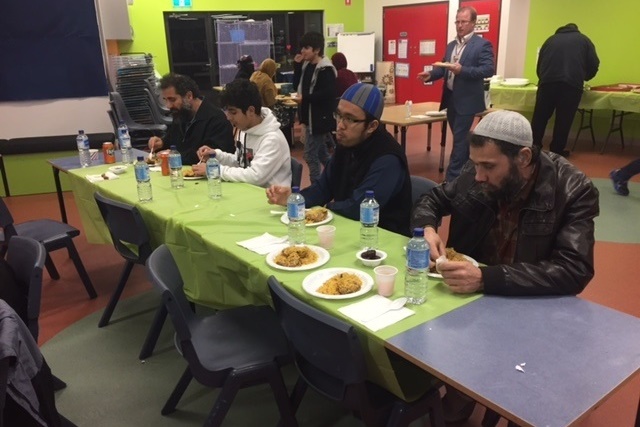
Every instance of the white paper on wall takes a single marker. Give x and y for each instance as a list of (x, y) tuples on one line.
[(403, 47)]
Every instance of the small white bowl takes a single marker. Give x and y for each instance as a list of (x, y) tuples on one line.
[(372, 262), (118, 169)]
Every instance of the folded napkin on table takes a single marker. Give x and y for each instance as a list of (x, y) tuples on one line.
[(104, 177), (264, 244), (368, 312)]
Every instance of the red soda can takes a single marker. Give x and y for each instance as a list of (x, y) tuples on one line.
[(107, 152)]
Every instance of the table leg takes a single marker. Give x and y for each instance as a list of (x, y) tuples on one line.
[(63, 210), (613, 127), (429, 137), (395, 132), (403, 138), (7, 192), (443, 144)]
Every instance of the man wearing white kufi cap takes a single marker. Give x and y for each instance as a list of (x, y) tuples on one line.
[(527, 216)]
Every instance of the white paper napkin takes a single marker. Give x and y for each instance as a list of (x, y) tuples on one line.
[(107, 176), (264, 244), (155, 168), (365, 309)]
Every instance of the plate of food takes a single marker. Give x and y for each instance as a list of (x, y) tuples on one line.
[(298, 258), (313, 216), (442, 64), (337, 283), (189, 175), (451, 255)]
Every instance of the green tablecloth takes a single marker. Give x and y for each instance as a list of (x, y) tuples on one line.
[(217, 272), (524, 99)]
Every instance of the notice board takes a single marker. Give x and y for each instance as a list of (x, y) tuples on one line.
[(359, 48)]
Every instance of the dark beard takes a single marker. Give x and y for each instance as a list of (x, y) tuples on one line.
[(509, 187), (183, 115)]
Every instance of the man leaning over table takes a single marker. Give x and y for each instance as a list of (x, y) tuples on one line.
[(527, 215), (367, 157), (196, 121), (262, 155), (470, 60)]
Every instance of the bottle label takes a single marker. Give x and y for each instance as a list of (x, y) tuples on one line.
[(213, 171), (369, 215), (417, 259), (175, 161), (295, 211), (142, 173)]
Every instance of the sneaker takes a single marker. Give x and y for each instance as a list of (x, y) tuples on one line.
[(619, 185)]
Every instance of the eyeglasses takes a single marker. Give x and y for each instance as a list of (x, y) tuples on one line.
[(348, 121), (461, 22)]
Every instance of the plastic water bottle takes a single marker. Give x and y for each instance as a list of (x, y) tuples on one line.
[(407, 105), (296, 214), (369, 216), (144, 180), (175, 168), (125, 143), (83, 149), (415, 280), (214, 181)]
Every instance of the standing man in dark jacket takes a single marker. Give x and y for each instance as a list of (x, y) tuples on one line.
[(196, 122), (527, 215), (314, 76), (566, 60)]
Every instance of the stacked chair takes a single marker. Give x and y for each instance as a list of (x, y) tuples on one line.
[(140, 133)]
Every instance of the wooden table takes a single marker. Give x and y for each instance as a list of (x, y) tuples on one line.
[(575, 354), (396, 115)]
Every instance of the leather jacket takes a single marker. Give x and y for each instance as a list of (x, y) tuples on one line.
[(555, 234)]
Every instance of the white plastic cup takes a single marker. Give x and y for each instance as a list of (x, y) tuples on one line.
[(326, 235), (385, 279)]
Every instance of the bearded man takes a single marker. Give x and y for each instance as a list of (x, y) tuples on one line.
[(196, 122), (527, 215)]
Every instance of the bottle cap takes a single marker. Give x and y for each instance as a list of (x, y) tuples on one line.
[(80, 131), (295, 189), (173, 147), (140, 158), (418, 232), (368, 194)]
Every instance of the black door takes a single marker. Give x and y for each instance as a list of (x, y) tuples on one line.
[(190, 42)]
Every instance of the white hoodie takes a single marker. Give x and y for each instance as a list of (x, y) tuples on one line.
[(268, 160)]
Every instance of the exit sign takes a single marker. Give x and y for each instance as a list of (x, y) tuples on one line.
[(181, 3)]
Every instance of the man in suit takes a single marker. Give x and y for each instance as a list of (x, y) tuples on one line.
[(468, 61)]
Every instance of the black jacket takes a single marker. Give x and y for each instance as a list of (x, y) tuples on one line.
[(554, 250), (319, 99), (209, 127), (569, 57)]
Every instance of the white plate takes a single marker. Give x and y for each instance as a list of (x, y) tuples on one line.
[(193, 178), (285, 220), (439, 276), (323, 257), (515, 82), (316, 279), (435, 113)]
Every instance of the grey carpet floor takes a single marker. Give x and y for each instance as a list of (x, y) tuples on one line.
[(107, 386), (618, 214)]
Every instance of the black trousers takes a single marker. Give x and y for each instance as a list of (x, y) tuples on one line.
[(561, 98)]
